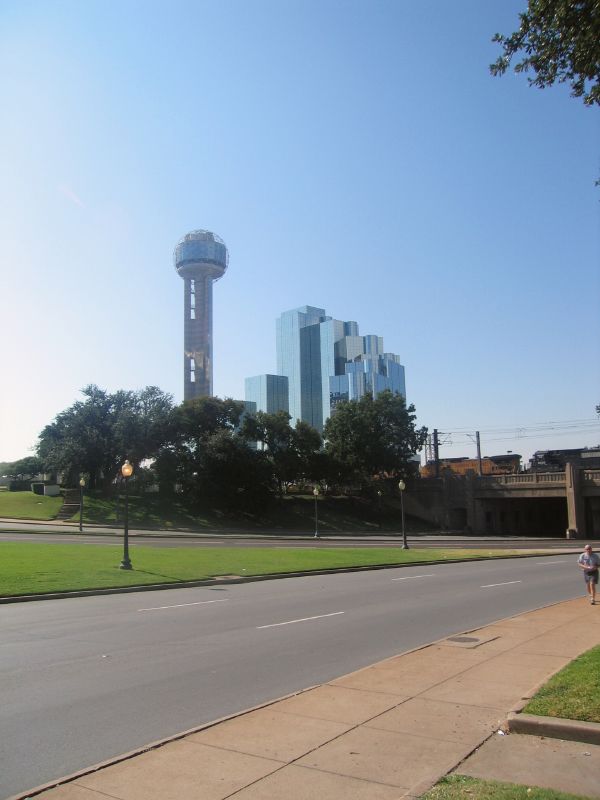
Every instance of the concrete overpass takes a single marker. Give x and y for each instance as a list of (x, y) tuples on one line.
[(527, 504)]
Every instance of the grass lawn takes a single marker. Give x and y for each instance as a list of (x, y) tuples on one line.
[(290, 513), (458, 787), (31, 568), (573, 693), (27, 505)]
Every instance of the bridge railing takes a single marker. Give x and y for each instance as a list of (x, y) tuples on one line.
[(591, 476), (527, 478)]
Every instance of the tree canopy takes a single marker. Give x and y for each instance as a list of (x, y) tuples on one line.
[(206, 457), (369, 437), (27, 467), (211, 451), (559, 40), (289, 451), (96, 435)]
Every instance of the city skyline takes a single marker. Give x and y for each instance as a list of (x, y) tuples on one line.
[(358, 157)]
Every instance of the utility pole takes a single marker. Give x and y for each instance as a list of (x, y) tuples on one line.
[(479, 453), (436, 452)]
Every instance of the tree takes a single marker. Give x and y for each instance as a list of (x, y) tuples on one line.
[(27, 467), (369, 437), (182, 457), (95, 435), (560, 41), (231, 474), (193, 421), (288, 450)]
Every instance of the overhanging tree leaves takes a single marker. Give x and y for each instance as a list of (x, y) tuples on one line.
[(374, 436), (559, 40)]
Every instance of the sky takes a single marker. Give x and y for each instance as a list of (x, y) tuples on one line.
[(354, 155)]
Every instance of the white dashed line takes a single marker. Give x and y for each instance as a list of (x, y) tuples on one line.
[(412, 577), (506, 583), (545, 563), (181, 605), (304, 619)]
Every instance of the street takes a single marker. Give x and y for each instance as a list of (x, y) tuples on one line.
[(85, 679), (14, 531)]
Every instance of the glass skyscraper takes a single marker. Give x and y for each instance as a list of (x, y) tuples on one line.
[(269, 393), (325, 361)]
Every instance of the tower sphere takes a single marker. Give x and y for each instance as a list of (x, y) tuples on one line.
[(201, 252)]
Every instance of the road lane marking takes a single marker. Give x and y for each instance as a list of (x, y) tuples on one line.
[(506, 583), (304, 619), (412, 577), (181, 605), (543, 563)]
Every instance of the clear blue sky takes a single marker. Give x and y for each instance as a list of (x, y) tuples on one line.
[(356, 156)]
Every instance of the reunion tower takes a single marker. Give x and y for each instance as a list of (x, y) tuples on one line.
[(200, 258)]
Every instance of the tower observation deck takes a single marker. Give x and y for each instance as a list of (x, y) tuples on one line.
[(200, 258)]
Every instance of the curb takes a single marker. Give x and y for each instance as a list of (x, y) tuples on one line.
[(554, 728), (65, 779), (422, 787), (149, 587)]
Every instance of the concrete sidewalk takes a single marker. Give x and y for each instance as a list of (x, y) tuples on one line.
[(386, 732)]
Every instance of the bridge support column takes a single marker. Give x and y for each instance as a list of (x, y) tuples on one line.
[(475, 515), (575, 509)]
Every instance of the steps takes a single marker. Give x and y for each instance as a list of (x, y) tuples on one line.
[(70, 505)]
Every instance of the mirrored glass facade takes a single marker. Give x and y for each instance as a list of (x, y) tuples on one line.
[(327, 360), (268, 393)]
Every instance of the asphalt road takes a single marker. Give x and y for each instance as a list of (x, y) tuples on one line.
[(13, 531), (85, 679)]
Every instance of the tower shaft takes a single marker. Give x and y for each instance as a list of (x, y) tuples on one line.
[(201, 258), (197, 344)]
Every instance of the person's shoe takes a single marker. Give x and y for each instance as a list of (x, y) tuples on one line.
[(592, 602)]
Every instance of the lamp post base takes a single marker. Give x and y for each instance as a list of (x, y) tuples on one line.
[(125, 564), (405, 547)]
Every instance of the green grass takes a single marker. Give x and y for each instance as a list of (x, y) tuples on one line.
[(26, 505), (32, 568), (573, 693), (291, 513), (459, 787)]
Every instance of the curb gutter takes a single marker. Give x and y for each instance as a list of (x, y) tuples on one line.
[(554, 728), (150, 587)]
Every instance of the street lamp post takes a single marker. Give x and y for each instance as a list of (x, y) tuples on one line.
[(126, 472), (402, 487), (316, 494), (379, 506), (81, 488)]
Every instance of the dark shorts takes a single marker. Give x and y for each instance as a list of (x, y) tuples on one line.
[(591, 577)]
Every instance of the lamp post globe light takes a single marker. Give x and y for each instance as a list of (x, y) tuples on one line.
[(126, 472), (81, 488), (316, 495), (402, 487)]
